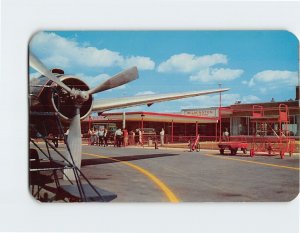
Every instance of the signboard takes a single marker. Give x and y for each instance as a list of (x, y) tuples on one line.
[(203, 112)]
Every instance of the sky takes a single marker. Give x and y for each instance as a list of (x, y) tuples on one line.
[(256, 65)]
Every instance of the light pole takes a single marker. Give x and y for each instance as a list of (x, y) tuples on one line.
[(124, 120), (220, 114), (106, 117), (142, 115)]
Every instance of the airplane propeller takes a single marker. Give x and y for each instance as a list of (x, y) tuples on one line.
[(117, 80), (74, 142), (74, 136), (35, 63)]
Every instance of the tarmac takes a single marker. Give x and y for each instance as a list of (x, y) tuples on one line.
[(146, 174), (167, 174)]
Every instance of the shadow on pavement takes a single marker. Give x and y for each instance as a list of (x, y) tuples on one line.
[(86, 162)]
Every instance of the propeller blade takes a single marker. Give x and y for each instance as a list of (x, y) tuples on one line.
[(74, 141), (117, 80), (35, 63)]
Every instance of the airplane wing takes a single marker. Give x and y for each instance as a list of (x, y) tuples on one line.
[(102, 105)]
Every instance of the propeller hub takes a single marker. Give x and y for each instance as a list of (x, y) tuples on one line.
[(79, 96), (84, 95)]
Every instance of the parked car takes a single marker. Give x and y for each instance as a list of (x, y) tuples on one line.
[(149, 133)]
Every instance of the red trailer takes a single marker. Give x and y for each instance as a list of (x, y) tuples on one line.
[(233, 146)]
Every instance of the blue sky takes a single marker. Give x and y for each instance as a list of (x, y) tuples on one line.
[(256, 65)]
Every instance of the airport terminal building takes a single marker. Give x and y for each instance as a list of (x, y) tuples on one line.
[(207, 122)]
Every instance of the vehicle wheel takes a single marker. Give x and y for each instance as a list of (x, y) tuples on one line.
[(233, 151), (222, 151), (244, 150)]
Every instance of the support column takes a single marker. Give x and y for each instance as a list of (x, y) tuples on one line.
[(90, 123), (124, 120), (220, 122), (216, 126), (198, 132), (172, 132), (220, 115), (142, 129)]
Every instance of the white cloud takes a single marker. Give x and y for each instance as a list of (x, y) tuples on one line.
[(274, 78), (200, 68), (145, 93), (93, 81), (57, 61), (143, 63), (58, 51), (189, 63), (216, 74)]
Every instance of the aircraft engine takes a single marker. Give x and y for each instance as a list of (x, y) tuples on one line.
[(47, 96)]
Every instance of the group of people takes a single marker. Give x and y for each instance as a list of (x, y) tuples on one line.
[(121, 137), (137, 136), (98, 137)]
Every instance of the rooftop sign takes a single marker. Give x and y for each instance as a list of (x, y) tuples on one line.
[(204, 112)]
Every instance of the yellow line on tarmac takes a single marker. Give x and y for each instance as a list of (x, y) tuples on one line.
[(255, 162), (167, 191)]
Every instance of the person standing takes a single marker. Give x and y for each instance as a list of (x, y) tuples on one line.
[(132, 138), (226, 135), (93, 137), (105, 137), (101, 136), (162, 136), (96, 138), (136, 137), (140, 137), (125, 137), (118, 135)]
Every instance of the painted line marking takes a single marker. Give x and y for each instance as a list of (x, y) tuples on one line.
[(254, 162), (167, 191)]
